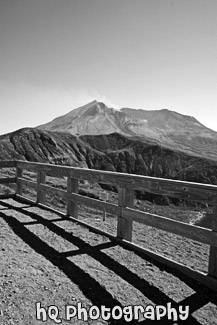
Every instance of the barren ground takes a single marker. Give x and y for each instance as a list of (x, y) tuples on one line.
[(49, 259)]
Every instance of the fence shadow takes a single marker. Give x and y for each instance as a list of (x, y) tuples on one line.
[(97, 294)]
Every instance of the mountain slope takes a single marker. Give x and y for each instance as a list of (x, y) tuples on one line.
[(164, 127), (165, 119), (97, 118), (144, 158), (155, 143), (182, 131), (51, 147), (112, 152)]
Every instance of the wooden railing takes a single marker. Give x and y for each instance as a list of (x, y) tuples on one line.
[(124, 210)]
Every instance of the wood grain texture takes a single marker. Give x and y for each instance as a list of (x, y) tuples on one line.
[(212, 268), (26, 182), (8, 163), (8, 180), (125, 226), (92, 203), (127, 215), (204, 193), (203, 235), (41, 194), (19, 174), (72, 207)]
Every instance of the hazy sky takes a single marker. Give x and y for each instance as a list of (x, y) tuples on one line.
[(57, 55)]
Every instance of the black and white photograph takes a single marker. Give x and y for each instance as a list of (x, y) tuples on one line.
[(108, 162)]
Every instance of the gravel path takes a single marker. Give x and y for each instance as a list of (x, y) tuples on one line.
[(57, 262)]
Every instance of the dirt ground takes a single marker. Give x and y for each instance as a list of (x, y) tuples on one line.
[(54, 261)]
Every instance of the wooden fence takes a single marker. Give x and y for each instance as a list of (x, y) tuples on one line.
[(126, 214)]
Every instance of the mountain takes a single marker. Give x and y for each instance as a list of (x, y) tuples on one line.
[(169, 145), (114, 152), (51, 147), (163, 127), (180, 131), (133, 156), (164, 119), (97, 118)]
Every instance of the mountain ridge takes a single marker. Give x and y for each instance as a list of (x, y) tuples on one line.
[(113, 152), (165, 151), (150, 116), (167, 128)]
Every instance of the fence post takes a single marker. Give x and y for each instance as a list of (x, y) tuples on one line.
[(41, 195), (104, 197), (19, 173), (125, 199), (212, 269), (72, 207)]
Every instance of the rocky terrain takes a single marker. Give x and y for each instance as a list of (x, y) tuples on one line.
[(112, 152), (145, 158), (51, 147)]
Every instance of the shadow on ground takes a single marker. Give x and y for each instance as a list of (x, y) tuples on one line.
[(88, 285)]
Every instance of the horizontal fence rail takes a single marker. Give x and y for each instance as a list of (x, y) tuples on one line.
[(8, 180), (126, 184), (8, 163)]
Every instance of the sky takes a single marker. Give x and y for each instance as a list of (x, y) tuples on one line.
[(57, 55)]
